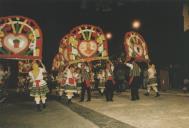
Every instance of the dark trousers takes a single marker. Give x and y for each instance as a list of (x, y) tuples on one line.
[(88, 89), (119, 85), (109, 89), (134, 88)]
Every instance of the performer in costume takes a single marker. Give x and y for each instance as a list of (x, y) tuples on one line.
[(39, 87), (109, 85), (134, 80), (102, 80), (86, 82), (79, 80), (152, 80), (70, 84), (61, 79)]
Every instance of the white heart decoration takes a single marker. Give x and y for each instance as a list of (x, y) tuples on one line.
[(15, 43), (87, 48)]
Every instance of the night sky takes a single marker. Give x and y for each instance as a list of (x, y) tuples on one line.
[(161, 23)]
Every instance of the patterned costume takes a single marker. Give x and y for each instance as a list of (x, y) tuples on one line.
[(134, 79), (79, 82), (86, 83), (152, 80), (39, 87), (70, 83), (102, 80), (109, 85), (61, 78)]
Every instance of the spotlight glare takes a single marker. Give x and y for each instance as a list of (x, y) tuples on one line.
[(109, 35), (136, 24)]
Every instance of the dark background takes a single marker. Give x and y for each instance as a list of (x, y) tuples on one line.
[(162, 23)]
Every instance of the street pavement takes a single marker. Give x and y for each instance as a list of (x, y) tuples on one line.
[(170, 110), (21, 113)]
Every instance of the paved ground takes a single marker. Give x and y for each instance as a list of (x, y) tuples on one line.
[(167, 111), (22, 114), (171, 110)]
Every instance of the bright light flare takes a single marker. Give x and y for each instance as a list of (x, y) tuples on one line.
[(109, 35), (136, 24)]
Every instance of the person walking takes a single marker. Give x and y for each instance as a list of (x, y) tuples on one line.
[(152, 80), (134, 80)]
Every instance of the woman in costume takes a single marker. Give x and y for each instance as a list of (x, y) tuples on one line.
[(39, 87)]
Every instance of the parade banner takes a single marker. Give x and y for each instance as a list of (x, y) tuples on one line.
[(20, 38), (135, 47)]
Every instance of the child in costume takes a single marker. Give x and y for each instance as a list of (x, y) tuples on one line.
[(152, 80), (39, 87), (70, 83), (61, 79), (102, 80)]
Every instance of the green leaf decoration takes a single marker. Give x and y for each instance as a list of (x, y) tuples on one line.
[(17, 27)]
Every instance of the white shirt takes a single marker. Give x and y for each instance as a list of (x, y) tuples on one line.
[(151, 72), (39, 77)]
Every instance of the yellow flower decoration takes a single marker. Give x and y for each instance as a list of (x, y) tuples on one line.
[(37, 52), (100, 39), (31, 36), (2, 34), (73, 41), (104, 54), (37, 33), (60, 50)]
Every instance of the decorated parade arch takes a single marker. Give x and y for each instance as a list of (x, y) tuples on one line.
[(20, 39), (136, 47), (84, 43)]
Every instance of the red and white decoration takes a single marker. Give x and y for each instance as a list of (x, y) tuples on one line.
[(20, 38), (83, 43), (135, 47)]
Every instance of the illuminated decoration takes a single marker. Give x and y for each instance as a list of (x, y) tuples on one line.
[(88, 43), (84, 43), (20, 38), (135, 47)]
